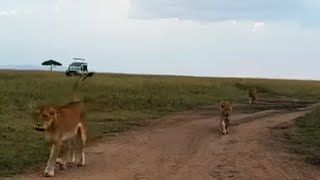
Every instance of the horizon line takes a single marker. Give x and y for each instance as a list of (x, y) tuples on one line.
[(167, 74)]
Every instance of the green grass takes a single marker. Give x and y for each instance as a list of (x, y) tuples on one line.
[(116, 103), (306, 133), (290, 88)]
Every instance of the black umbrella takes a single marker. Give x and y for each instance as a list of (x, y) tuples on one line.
[(51, 63)]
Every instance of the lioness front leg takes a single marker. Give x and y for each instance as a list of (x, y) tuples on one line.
[(223, 127), (55, 149), (227, 120)]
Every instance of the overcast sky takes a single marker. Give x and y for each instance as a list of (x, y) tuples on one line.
[(256, 38)]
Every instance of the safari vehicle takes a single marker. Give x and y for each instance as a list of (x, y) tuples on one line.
[(77, 67)]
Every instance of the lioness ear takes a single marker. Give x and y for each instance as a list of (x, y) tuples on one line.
[(54, 111), (56, 108), (53, 114)]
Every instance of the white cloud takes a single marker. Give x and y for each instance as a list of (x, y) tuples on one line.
[(305, 12), (10, 12), (101, 32), (113, 9), (234, 22), (255, 26)]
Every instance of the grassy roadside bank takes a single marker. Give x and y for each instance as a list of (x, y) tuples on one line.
[(305, 136)]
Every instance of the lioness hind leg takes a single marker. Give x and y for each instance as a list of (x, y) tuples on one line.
[(68, 155), (83, 155), (72, 151), (82, 138), (62, 163)]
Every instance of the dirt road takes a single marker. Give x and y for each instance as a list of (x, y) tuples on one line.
[(188, 146)]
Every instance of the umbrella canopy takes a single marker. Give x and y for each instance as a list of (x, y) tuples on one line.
[(51, 62)]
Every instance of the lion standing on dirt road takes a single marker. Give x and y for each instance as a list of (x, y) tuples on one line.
[(226, 110), (64, 124), (252, 95)]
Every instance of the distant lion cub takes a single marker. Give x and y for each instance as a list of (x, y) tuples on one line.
[(226, 110)]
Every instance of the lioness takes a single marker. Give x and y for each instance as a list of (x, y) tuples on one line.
[(252, 95), (226, 110), (62, 124)]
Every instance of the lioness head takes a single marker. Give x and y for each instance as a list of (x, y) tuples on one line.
[(252, 92), (47, 115), (226, 108)]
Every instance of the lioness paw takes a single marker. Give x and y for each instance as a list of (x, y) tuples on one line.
[(48, 174)]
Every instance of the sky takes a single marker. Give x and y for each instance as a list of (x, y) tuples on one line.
[(233, 38)]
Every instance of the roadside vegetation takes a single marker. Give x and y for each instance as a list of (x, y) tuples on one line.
[(305, 136)]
